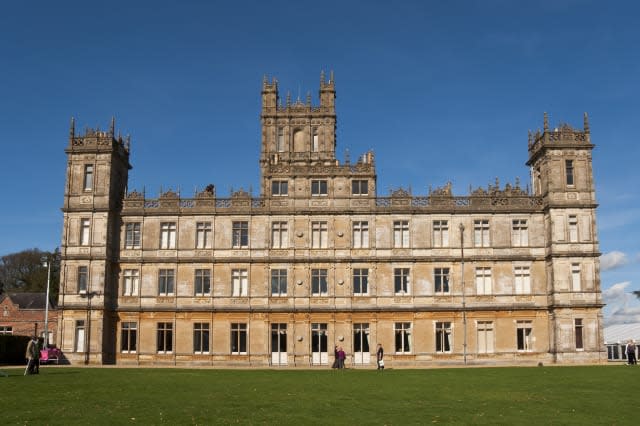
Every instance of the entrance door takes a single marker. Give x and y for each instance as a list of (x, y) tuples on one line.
[(361, 353), (278, 344), (319, 344)]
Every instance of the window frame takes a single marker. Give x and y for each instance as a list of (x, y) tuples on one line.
[(88, 177), (164, 337), (524, 336), (319, 187), (402, 334), (201, 338), (130, 282), (203, 235), (132, 235), (82, 279), (202, 282), (401, 235), (319, 282), (280, 188), (440, 233), (444, 337), (442, 280), (239, 282), (360, 281), (360, 187), (360, 234), (238, 335), (166, 282), (402, 281), (168, 234), (239, 234), (129, 337), (279, 282)]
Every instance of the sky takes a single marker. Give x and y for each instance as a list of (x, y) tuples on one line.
[(440, 91)]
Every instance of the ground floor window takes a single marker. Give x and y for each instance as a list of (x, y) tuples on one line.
[(164, 341), (524, 336), (79, 344), (6, 329), (443, 337), (129, 337), (201, 338), (579, 332), (485, 337), (403, 337), (238, 338)]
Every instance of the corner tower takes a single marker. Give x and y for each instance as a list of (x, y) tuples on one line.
[(96, 181)]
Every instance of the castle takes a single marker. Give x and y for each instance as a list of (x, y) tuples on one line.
[(503, 275)]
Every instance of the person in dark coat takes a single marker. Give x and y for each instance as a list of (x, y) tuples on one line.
[(631, 352), (336, 361), (32, 354), (379, 357)]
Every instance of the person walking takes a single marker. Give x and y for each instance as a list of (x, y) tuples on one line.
[(379, 357), (631, 352), (341, 357), (336, 360), (31, 354)]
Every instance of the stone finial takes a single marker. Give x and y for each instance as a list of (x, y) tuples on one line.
[(308, 98), (322, 78), (331, 77), (288, 98), (586, 123), (72, 128), (545, 123), (112, 127), (529, 138)]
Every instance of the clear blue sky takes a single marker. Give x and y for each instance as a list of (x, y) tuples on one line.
[(439, 90)]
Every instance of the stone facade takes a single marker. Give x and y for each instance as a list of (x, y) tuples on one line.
[(503, 275)]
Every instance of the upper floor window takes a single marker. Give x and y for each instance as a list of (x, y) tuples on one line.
[(319, 187), (132, 235), (279, 235), (202, 282), (88, 177), (240, 234), (483, 280), (319, 235), (441, 280), (315, 147), (401, 281), (239, 282), (360, 281), (85, 232), (522, 279), (481, 233), (568, 164), (401, 234), (573, 228), (203, 235), (279, 188), (319, 286), (83, 279), (575, 277), (519, 233), (166, 282), (131, 282), (360, 234), (168, 235), (360, 187), (440, 233), (278, 282), (280, 146)]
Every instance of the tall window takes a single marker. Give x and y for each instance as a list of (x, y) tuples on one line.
[(481, 233), (523, 332), (575, 277), (240, 234), (573, 228), (131, 282), (168, 235), (319, 234), (278, 282), (202, 282), (360, 234), (279, 188), (319, 187), (519, 233), (319, 282), (85, 231), (483, 280), (132, 235), (164, 340), (401, 233), (522, 279), (441, 280), (443, 337), (401, 281), (440, 233), (201, 338), (315, 141), (166, 282), (403, 337), (279, 235), (203, 235), (80, 339), (360, 281), (238, 338), (579, 330), (280, 145), (485, 337), (83, 279), (88, 177), (239, 282), (569, 170), (129, 337), (360, 187)]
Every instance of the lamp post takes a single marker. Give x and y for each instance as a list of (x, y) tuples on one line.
[(464, 307), (47, 262)]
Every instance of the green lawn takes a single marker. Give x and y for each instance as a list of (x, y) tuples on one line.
[(537, 395)]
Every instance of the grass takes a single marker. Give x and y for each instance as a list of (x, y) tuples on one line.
[(537, 395)]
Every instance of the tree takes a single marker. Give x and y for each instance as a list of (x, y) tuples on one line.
[(24, 272)]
